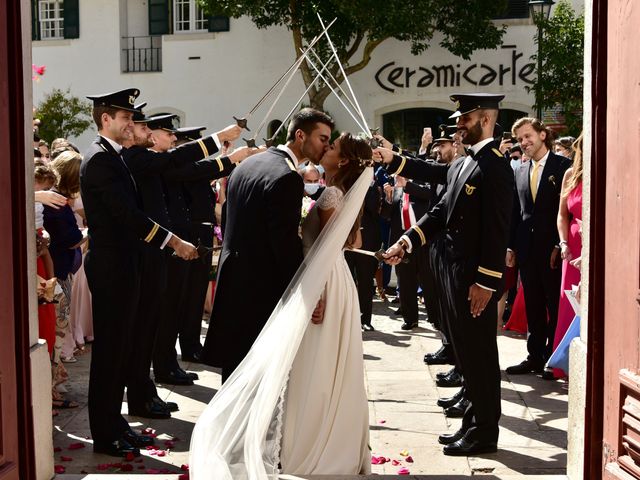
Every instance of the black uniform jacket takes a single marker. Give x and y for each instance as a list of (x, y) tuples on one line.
[(475, 214), (112, 202), (534, 228)]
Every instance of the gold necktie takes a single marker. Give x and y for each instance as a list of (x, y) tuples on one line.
[(534, 180)]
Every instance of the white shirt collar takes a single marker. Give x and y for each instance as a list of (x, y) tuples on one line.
[(288, 151), (543, 160), (116, 146), (478, 146)]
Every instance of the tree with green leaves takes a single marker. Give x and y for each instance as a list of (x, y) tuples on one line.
[(561, 77), (362, 25), (62, 115)]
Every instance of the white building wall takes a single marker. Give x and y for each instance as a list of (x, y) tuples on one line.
[(209, 77)]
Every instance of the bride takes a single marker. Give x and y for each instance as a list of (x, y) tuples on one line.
[(297, 402)]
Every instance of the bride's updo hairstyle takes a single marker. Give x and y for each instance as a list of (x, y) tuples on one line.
[(358, 154)]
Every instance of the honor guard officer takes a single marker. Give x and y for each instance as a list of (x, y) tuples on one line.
[(165, 365), (475, 215), (194, 181), (118, 229)]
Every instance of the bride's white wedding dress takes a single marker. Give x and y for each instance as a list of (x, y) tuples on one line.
[(246, 432), (326, 418)]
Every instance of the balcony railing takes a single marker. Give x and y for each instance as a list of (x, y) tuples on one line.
[(142, 54)]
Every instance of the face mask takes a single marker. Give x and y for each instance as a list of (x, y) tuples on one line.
[(311, 188), (320, 169)]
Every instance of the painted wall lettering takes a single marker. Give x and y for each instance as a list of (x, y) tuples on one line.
[(391, 76)]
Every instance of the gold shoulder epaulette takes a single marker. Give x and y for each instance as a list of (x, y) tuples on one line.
[(497, 152)]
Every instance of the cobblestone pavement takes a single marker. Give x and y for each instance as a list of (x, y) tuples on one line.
[(404, 417)]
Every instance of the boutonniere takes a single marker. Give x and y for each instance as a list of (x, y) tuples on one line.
[(552, 179)]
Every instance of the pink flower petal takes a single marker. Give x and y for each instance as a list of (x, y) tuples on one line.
[(395, 463), (184, 468), (161, 453), (57, 449), (382, 421), (169, 443), (59, 469), (102, 466), (409, 459), (153, 471), (141, 467), (76, 446), (404, 471), (65, 459), (183, 476)]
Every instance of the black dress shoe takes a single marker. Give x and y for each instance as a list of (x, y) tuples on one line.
[(547, 374), (191, 375), (526, 366), (441, 357), (464, 447), (451, 401), (457, 410), (367, 327), (453, 380), (193, 357), (174, 377), (150, 409), (409, 326), (119, 448), (171, 406), (136, 440), (445, 374), (449, 438)]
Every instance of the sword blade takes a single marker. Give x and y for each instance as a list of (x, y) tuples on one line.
[(346, 79), (293, 66)]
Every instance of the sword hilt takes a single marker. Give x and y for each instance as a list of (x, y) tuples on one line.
[(251, 142), (375, 143), (374, 131), (242, 123), (268, 142)]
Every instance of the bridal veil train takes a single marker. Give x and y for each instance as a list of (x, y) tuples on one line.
[(238, 434)]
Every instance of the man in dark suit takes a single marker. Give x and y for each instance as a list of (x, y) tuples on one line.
[(409, 202), (534, 239), (363, 266), (118, 229), (475, 214), (261, 249)]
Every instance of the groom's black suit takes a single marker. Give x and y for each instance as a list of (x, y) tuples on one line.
[(260, 254)]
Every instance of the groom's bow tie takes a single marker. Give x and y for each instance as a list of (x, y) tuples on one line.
[(469, 152)]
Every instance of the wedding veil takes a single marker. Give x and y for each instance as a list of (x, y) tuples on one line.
[(237, 437)]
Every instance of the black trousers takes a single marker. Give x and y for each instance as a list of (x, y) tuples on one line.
[(364, 269), (476, 348), (541, 286), (114, 280), (165, 357), (410, 275), (198, 281), (140, 387), (438, 271)]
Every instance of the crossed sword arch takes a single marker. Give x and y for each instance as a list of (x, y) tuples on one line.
[(283, 82), (353, 107)]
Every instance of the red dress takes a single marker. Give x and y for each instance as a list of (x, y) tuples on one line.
[(46, 316), (570, 274)]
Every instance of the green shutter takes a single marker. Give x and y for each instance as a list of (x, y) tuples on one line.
[(159, 18), (71, 14), (35, 24), (218, 23)]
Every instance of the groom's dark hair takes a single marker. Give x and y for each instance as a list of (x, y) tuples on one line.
[(306, 120)]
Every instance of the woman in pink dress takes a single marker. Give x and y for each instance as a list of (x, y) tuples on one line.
[(569, 215)]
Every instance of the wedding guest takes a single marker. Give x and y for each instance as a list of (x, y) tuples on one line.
[(564, 146), (66, 239), (569, 217)]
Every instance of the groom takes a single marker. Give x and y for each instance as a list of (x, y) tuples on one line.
[(261, 250)]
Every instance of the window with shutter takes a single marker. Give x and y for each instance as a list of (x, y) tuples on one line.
[(159, 14), (515, 9), (51, 19), (71, 19), (35, 25), (218, 23)]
